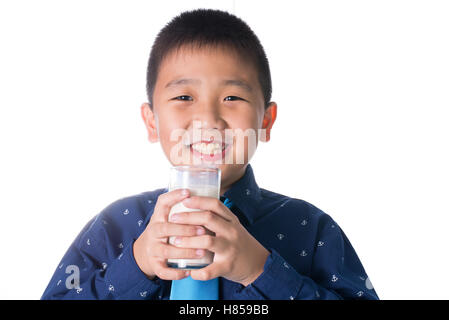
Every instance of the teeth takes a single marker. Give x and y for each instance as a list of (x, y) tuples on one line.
[(207, 148)]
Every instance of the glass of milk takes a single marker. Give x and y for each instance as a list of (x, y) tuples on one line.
[(201, 180)]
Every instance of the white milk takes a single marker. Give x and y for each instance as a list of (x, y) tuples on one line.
[(204, 191)]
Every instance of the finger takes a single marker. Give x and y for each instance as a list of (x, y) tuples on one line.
[(209, 272), (167, 251), (211, 204), (166, 200), (166, 273), (208, 219), (165, 229), (207, 242)]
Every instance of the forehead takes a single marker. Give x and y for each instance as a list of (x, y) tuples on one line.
[(211, 62)]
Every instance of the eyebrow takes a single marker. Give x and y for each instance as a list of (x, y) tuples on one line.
[(230, 82)]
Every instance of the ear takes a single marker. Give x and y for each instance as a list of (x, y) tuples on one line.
[(268, 120), (150, 122)]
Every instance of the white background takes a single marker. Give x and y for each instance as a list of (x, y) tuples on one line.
[(362, 128)]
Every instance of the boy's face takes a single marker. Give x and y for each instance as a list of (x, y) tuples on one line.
[(219, 99)]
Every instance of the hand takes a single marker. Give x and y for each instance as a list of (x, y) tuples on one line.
[(239, 257), (151, 249)]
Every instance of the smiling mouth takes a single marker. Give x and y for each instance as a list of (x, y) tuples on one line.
[(209, 151)]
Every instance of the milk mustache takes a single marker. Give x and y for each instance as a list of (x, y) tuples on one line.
[(199, 190)]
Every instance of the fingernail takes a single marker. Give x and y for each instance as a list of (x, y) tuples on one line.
[(186, 201), (200, 231), (199, 252), (174, 217), (177, 240), (185, 192)]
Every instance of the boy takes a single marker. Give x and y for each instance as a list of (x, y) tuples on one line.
[(208, 68)]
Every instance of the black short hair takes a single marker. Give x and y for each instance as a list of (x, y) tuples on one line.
[(209, 27)]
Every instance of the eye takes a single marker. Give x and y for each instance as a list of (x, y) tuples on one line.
[(233, 98), (183, 98)]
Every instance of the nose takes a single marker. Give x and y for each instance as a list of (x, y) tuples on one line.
[(209, 116)]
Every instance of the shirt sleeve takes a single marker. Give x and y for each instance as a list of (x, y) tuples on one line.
[(336, 273), (94, 267)]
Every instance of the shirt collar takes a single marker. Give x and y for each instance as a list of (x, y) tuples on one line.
[(245, 194)]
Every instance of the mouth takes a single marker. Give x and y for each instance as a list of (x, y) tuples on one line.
[(209, 150)]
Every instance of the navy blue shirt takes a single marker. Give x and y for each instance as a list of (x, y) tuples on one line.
[(310, 256)]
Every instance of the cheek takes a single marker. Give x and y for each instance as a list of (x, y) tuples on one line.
[(245, 141), (170, 127), (246, 145), (170, 137)]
